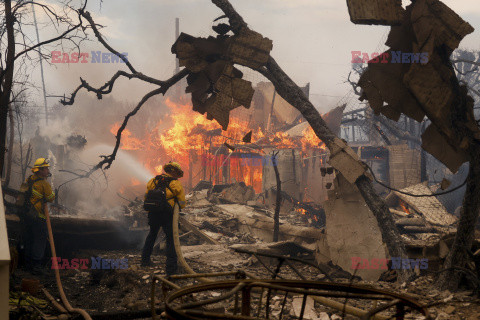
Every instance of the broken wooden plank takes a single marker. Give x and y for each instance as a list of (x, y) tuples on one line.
[(432, 19), (436, 144), (398, 212), (190, 227), (418, 229), (249, 48), (429, 207), (345, 160), (410, 222), (262, 226), (378, 12), (285, 248)]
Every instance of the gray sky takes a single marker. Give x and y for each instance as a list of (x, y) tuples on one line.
[(312, 41)]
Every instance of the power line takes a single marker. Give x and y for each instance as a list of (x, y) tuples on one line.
[(324, 95)]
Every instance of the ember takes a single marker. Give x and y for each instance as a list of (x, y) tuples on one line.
[(404, 207)]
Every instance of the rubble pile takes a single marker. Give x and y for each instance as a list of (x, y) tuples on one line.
[(236, 193), (217, 235), (427, 228)]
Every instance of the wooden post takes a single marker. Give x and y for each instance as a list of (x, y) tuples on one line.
[(190, 170), (278, 202), (204, 155), (252, 168)]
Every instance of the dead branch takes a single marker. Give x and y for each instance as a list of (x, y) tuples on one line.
[(466, 73), (13, 36), (402, 135), (108, 159), (477, 92), (100, 38), (466, 61), (295, 96), (108, 86), (354, 85), (43, 43), (122, 197), (88, 17)]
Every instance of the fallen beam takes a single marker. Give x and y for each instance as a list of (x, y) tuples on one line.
[(190, 227), (417, 229)]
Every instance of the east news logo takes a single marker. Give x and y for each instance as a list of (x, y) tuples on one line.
[(96, 263), (397, 57), (397, 263)]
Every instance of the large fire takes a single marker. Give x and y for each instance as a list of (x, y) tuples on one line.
[(193, 141)]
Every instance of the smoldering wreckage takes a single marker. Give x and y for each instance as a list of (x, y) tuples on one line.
[(277, 224)]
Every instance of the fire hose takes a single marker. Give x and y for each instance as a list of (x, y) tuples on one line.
[(178, 248), (57, 273)]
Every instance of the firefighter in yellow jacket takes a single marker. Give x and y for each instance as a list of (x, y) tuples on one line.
[(162, 216), (36, 234)]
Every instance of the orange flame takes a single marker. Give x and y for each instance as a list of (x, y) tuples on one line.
[(128, 142), (301, 211), (188, 138), (404, 207)]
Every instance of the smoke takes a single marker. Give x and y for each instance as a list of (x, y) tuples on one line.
[(53, 163), (102, 194), (57, 131)]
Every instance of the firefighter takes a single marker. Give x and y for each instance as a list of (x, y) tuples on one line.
[(36, 233), (164, 217)]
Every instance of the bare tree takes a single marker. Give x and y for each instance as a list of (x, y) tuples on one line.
[(23, 157), (12, 36), (467, 66), (351, 167)]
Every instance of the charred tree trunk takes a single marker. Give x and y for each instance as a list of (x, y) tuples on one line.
[(6, 80), (278, 202), (292, 93), (423, 163), (10, 148), (28, 158), (462, 244)]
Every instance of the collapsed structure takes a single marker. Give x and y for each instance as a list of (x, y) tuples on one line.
[(234, 180)]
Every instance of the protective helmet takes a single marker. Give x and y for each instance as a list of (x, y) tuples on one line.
[(40, 163), (173, 166)]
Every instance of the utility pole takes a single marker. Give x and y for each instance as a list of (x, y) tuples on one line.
[(177, 62), (177, 34), (41, 66)]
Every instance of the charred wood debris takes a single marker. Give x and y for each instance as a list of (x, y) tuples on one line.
[(226, 231), (228, 228)]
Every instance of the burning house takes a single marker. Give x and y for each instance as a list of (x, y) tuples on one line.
[(261, 187), (209, 154)]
